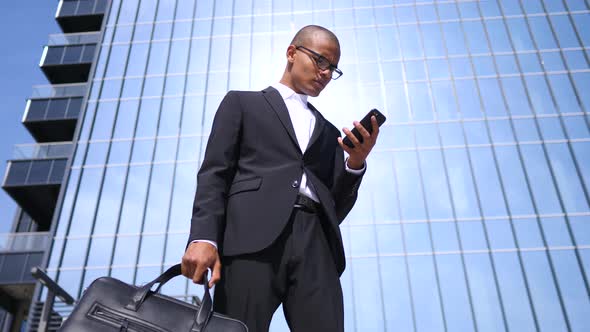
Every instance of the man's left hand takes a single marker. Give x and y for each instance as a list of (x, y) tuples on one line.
[(358, 154)]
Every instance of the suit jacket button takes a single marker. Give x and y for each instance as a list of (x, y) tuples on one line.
[(295, 184)]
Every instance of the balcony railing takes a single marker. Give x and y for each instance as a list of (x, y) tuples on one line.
[(73, 38), (42, 151), (24, 242), (59, 90), (80, 7)]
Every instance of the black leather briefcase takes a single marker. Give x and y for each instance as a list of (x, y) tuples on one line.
[(109, 304)]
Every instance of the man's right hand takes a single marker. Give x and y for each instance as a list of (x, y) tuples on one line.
[(197, 258)]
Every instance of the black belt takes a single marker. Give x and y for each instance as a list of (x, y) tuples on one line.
[(306, 204)]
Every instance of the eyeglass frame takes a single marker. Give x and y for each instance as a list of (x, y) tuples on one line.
[(318, 57)]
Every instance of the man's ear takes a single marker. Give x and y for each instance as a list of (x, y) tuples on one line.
[(291, 50)]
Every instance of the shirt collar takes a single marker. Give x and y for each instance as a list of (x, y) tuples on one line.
[(286, 92)]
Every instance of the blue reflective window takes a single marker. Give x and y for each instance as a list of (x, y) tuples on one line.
[(158, 58), (97, 153), (385, 200), (520, 34), (510, 7), (123, 34), (420, 101), (501, 131), (564, 31), (472, 235), (575, 60), (576, 127), (576, 5), (467, 95), (126, 12), (367, 290), (486, 304), (388, 43), (580, 226), (132, 87), (491, 96), (395, 294), (389, 239), (526, 130), (433, 40), (185, 9), (564, 94), (166, 149), (451, 133), (484, 65), (513, 177), (406, 14), (551, 128), (516, 96), (490, 192), (571, 283), (179, 55), (533, 7), (454, 38), (364, 16), (410, 41), (134, 201), (444, 236), (539, 94), (461, 67), (554, 6), (105, 115), (507, 64), (72, 256), (435, 185), (111, 89), (100, 252), (544, 192), (476, 37), (461, 183), (425, 13), (582, 24), (85, 205), (529, 63), (542, 287), (411, 202), (151, 250), (500, 234), (147, 11), (126, 117), (143, 150), (444, 99), (498, 35), (414, 70), (117, 61), (447, 11), (126, 248), (438, 69), (185, 183), (119, 153), (476, 132), (191, 122), (148, 118), (363, 241), (70, 281), (456, 302), (202, 28), (556, 231), (542, 32), (552, 61), (427, 306), (519, 315), (570, 186), (528, 233), (153, 86)]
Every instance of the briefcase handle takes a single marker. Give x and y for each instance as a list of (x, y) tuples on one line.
[(205, 309)]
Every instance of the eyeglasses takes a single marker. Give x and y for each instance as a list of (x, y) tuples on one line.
[(323, 63)]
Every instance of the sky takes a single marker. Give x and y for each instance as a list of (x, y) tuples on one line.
[(25, 26)]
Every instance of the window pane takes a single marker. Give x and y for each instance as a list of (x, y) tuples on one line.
[(515, 185), (456, 302), (425, 293)]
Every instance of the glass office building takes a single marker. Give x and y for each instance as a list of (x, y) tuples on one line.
[(474, 213)]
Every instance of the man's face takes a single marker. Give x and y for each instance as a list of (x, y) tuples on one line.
[(307, 77)]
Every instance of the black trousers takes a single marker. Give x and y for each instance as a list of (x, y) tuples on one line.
[(297, 270)]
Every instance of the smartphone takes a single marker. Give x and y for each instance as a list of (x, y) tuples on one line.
[(366, 122)]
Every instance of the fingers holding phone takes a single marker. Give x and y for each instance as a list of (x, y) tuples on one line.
[(359, 141)]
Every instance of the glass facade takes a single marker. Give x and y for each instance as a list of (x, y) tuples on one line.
[(474, 213)]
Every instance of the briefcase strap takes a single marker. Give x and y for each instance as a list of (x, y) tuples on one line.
[(205, 309)]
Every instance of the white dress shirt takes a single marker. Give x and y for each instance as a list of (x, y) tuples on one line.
[(303, 121)]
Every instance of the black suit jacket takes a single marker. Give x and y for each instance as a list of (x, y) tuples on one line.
[(250, 175)]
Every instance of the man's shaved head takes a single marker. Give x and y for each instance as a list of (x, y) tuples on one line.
[(306, 34)]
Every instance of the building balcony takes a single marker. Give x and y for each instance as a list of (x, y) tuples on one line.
[(52, 116), (80, 15), (34, 176), (68, 58), (19, 253)]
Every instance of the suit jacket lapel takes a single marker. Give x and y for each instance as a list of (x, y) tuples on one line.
[(273, 97), (319, 125)]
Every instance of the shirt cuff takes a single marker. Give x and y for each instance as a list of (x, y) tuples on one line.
[(213, 243), (354, 171)]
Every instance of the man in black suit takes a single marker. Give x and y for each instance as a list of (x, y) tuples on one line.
[(271, 193)]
